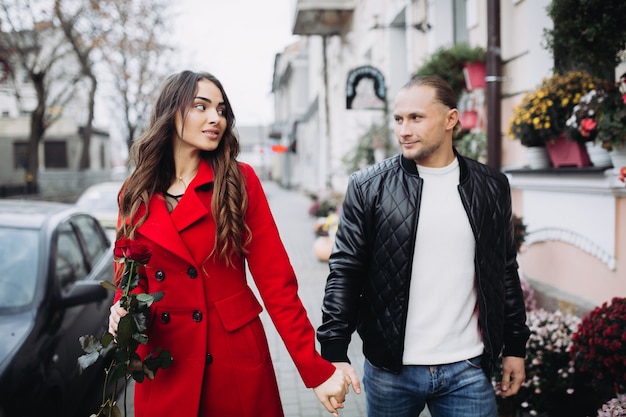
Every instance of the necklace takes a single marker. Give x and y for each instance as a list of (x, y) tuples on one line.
[(180, 178), (175, 197)]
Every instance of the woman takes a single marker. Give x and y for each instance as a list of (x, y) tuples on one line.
[(204, 215)]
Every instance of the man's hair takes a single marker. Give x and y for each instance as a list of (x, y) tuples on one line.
[(443, 92)]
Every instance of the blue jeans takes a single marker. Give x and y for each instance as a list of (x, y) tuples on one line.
[(459, 389)]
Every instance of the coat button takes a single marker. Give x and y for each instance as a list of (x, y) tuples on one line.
[(192, 272), (197, 316), (209, 359), (165, 317), (159, 275)]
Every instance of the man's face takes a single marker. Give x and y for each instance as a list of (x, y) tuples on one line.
[(423, 126)]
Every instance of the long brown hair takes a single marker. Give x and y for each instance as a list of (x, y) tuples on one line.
[(153, 160)]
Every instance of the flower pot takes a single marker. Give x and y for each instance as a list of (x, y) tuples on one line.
[(474, 74), (537, 157), (564, 152), (598, 156), (618, 158), (322, 247)]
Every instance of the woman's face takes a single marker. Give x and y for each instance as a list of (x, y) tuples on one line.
[(205, 122)]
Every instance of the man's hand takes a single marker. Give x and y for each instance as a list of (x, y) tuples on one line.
[(349, 370), (332, 392), (513, 374)]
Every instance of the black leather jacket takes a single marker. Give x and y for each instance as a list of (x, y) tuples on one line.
[(370, 267)]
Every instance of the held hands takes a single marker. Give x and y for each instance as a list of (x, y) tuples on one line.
[(117, 313), (332, 392), (513, 374)]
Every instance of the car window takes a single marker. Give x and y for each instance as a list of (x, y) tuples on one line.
[(94, 239), (69, 263), (19, 257)]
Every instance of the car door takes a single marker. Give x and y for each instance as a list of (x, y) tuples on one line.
[(81, 253)]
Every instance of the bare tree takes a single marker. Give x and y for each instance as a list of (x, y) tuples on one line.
[(82, 25), (38, 52), (137, 58)]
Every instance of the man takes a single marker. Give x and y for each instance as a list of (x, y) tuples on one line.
[(424, 268)]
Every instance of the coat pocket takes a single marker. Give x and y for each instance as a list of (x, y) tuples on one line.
[(238, 309), (239, 315)]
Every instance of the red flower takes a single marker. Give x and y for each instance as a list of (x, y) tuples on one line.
[(587, 125), (133, 250), (622, 174), (599, 346)]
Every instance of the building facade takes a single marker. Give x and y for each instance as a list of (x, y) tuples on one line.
[(576, 218)]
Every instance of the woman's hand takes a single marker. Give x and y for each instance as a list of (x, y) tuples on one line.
[(117, 313), (332, 392)]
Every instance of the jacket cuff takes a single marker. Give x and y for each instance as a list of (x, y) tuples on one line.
[(517, 348), (335, 350)]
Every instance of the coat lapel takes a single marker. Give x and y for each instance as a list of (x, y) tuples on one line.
[(160, 229), (164, 228)]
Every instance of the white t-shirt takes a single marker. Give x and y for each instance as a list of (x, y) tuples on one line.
[(442, 325)]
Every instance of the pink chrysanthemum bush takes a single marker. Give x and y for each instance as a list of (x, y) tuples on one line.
[(550, 380), (599, 347), (612, 408)]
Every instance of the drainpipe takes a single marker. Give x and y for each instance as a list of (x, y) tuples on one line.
[(493, 79), (329, 181)]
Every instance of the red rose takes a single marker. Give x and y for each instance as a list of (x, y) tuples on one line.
[(132, 249)]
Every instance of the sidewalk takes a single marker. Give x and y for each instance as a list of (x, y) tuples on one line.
[(290, 211)]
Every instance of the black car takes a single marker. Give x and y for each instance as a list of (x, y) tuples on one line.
[(52, 259)]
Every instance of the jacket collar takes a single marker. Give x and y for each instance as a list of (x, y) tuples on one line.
[(409, 166)]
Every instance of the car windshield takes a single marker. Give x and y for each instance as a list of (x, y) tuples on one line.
[(19, 258)]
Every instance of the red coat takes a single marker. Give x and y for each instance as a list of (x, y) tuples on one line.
[(209, 316)]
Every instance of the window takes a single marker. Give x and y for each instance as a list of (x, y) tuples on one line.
[(55, 154), (94, 240), (20, 155), (68, 260)]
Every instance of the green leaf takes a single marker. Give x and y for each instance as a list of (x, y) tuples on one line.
[(145, 298), (87, 360), (106, 339), (108, 285), (90, 344), (119, 371), (141, 338), (166, 359), (157, 296), (125, 329), (138, 376)]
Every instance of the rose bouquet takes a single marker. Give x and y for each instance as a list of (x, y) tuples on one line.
[(121, 349)]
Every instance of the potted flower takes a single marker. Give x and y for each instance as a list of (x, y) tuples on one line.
[(325, 229), (599, 346), (452, 64), (539, 119), (550, 381), (600, 116)]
